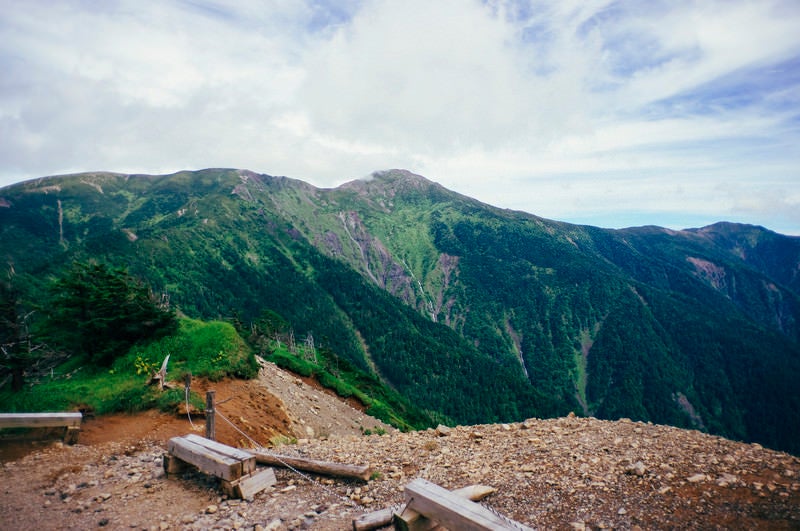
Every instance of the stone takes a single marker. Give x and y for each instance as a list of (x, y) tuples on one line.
[(211, 509), (697, 478), (442, 430), (726, 479), (636, 469)]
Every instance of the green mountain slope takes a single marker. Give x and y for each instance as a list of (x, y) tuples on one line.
[(477, 313)]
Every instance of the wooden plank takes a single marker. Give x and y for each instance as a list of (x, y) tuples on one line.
[(362, 472), (173, 465), (453, 511), (211, 429), (411, 520), (384, 517), (71, 435), (205, 459), (475, 492), (374, 520), (248, 459), (248, 486), (40, 420)]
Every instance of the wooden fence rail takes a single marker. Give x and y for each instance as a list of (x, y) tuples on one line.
[(71, 421)]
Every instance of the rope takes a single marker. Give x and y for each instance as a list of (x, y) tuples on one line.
[(405, 506), (290, 467), (511, 523), (186, 393), (253, 441)]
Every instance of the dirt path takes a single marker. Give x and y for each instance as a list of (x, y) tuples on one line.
[(568, 473)]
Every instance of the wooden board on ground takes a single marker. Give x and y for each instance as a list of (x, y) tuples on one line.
[(362, 472), (206, 459), (236, 468), (248, 459), (412, 520), (248, 486), (410, 517), (452, 511), (373, 520)]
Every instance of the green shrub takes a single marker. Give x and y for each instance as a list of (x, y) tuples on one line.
[(212, 350), (171, 400), (205, 349)]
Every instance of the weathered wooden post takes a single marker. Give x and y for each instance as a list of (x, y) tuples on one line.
[(210, 427)]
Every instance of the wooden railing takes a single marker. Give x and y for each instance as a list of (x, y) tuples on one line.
[(71, 421)]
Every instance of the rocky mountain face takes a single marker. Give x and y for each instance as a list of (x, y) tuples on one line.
[(476, 313)]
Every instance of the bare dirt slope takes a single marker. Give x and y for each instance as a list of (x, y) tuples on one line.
[(567, 473)]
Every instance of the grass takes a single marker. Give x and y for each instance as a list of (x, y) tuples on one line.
[(205, 349), (282, 440), (211, 350), (99, 392)]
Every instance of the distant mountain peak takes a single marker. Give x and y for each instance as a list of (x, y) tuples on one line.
[(394, 175), (393, 179)]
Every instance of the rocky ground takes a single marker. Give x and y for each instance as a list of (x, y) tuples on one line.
[(567, 473)]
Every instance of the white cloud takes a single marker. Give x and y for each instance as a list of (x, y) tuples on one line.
[(429, 76), (627, 111)]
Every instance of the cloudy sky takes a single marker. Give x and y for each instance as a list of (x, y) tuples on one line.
[(612, 113)]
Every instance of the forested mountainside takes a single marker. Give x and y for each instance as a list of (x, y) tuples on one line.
[(473, 312)]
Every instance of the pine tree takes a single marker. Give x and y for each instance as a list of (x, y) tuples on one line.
[(102, 311), (13, 335)]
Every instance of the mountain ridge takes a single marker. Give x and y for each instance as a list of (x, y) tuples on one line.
[(480, 313)]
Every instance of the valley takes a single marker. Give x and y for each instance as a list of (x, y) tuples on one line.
[(473, 313)]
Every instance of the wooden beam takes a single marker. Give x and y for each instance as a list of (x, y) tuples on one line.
[(382, 518), (235, 467), (211, 427), (247, 459), (173, 465), (40, 420), (71, 435), (413, 520), (374, 520), (453, 511), (248, 486), (362, 472), (205, 459)]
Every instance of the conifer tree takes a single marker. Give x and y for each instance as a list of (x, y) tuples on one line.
[(102, 311), (13, 335)]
